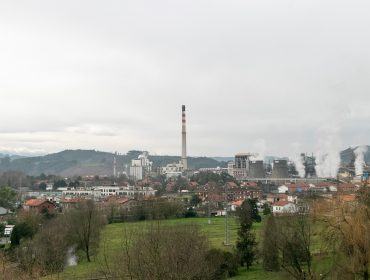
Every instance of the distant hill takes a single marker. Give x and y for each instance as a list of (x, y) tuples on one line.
[(91, 162), (11, 157), (224, 159)]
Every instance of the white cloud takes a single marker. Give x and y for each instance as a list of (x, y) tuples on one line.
[(112, 75)]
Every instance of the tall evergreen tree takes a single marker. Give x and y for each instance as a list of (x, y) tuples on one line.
[(246, 244), (270, 250)]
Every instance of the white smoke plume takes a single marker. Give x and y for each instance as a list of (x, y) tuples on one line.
[(360, 159), (328, 152), (259, 147), (299, 166), (298, 160)]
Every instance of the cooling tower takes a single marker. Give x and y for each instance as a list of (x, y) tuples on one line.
[(280, 169), (256, 169)]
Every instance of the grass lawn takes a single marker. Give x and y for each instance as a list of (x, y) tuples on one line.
[(257, 273), (114, 234)]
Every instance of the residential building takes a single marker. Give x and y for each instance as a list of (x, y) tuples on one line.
[(39, 205), (283, 189), (283, 207), (3, 211)]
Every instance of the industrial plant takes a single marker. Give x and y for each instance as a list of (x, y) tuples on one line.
[(249, 166), (178, 169)]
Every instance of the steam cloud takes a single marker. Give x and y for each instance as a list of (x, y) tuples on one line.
[(360, 159), (260, 147), (298, 162), (328, 153)]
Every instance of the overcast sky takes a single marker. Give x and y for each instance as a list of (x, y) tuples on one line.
[(274, 77)]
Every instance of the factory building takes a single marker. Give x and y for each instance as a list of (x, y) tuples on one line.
[(140, 167), (242, 160), (241, 165), (309, 163), (230, 168), (245, 167), (173, 169), (280, 169), (256, 169)]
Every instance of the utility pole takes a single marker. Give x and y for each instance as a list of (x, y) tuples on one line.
[(209, 211)]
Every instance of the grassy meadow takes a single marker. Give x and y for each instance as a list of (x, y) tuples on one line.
[(113, 236)]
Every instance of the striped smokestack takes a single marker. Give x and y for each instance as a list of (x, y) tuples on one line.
[(184, 158)]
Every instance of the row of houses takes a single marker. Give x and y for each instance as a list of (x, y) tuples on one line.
[(321, 187), (103, 191), (40, 205)]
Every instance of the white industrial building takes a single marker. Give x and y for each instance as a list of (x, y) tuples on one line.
[(173, 169), (230, 168), (136, 172), (102, 191), (140, 166)]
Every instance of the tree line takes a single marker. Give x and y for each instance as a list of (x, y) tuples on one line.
[(40, 240), (328, 239)]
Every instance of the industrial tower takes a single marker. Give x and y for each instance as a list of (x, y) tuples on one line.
[(184, 158)]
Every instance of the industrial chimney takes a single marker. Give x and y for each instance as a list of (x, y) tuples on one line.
[(184, 158), (115, 165)]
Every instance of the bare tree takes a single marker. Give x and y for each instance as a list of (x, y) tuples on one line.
[(8, 271), (163, 252), (294, 243), (348, 236), (52, 245), (84, 226), (46, 252)]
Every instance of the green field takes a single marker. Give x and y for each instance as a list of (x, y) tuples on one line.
[(114, 234)]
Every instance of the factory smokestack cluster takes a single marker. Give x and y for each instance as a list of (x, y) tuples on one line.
[(184, 158)]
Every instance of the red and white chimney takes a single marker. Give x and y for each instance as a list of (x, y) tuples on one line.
[(184, 158)]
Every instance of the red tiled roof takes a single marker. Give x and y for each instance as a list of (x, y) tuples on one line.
[(293, 186), (347, 198), (347, 187), (324, 184), (116, 199), (71, 200), (35, 202), (249, 184), (238, 203), (231, 184), (280, 203), (280, 196)]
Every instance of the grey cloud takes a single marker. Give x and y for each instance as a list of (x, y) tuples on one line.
[(119, 70)]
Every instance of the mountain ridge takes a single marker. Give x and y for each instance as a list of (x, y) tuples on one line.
[(91, 162)]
